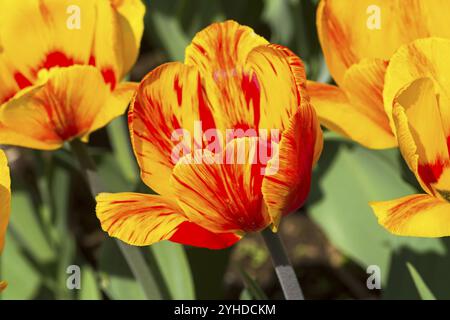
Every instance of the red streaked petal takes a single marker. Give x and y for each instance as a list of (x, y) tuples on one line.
[(138, 219), (192, 234), (288, 175), (223, 197), (418, 215), (168, 99)]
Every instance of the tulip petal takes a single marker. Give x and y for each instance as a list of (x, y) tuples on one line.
[(118, 33), (62, 108), (336, 112), (288, 175), (192, 234), (281, 80), (116, 105), (220, 52), (423, 58), (5, 198), (50, 43), (416, 215), (352, 30), (420, 133), (222, 193), (169, 99), (138, 219)]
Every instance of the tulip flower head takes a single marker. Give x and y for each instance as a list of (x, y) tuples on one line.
[(417, 90), (5, 203), (358, 39), (226, 139), (61, 63)]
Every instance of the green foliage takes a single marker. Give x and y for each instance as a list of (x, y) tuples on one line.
[(421, 286)]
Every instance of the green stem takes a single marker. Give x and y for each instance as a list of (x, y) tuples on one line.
[(283, 268), (132, 254)]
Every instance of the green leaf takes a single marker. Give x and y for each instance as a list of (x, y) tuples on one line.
[(89, 284), (167, 27), (120, 139), (252, 287), (174, 266), (274, 12), (346, 179), (27, 228), (421, 286), (117, 278), (22, 277)]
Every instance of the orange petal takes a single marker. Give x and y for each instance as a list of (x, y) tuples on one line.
[(118, 32), (116, 105), (44, 31), (279, 76), (223, 197), (349, 30), (62, 108), (417, 215), (336, 112), (424, 58), (61, 33), (138, 219), (288, 176), (5, 197), (169, 98), (423, 143), (3, 285), (220, 52)]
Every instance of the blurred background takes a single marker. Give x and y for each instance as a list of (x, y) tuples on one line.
[(331, 241)]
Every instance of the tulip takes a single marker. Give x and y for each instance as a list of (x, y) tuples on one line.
[(417, 90), (61, 63), (358, 39), (231, 79)]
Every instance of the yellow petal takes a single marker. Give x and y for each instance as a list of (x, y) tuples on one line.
[(220, 52), (45, 29), (61, 33), (420, 132), (169, 98), (424, 58), (417, 215), (116, 104), (62, 108), (5, 198), (352, 30), (288, 176), (336, 112), (138, 219), (223, 194), (118, 31), (281, 82)]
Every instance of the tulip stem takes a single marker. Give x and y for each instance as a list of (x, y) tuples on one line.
[(132, 255), (283, 268)]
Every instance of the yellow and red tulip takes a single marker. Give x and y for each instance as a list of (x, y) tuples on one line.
[(417, 91), (60, 78), (231, 79), (357, 52), (5, 203)]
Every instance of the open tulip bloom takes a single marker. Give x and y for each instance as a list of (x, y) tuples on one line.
[(5, 204), (62, 80), (417, 91), (357, 49), (231, 79), (252, 164)]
